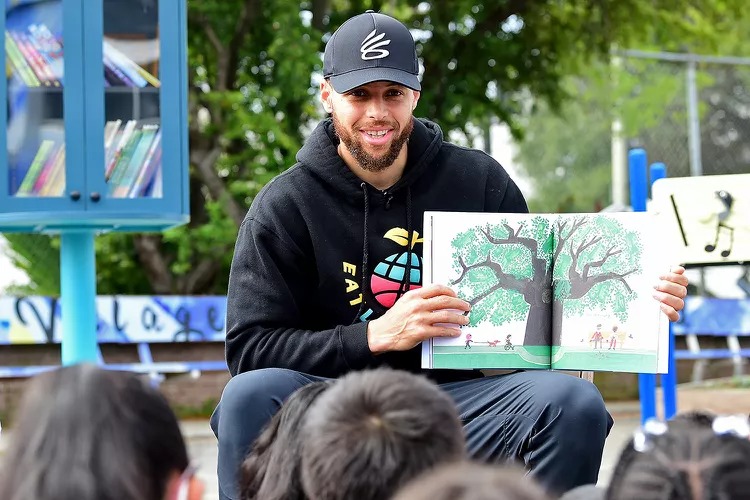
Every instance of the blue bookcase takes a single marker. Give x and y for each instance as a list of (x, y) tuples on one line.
[(93, 130)]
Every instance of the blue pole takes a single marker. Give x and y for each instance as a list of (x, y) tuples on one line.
[(637, 165), (669, 379), (78, 296)]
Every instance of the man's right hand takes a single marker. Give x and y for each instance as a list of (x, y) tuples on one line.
[(418, 315)]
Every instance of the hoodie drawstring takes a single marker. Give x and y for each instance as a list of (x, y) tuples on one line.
[(365, 250), (406, 282)]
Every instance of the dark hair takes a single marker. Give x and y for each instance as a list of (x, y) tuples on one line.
[(271, 469), (700, 418), (686, 462), (472, 481), (375, 430), (84, 433)]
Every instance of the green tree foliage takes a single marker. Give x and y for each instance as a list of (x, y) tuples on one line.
[(539, 273), (566, 152), (253, 97)]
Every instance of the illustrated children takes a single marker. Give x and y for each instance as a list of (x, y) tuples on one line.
[(597, 338), (468, 341), (508, 344)]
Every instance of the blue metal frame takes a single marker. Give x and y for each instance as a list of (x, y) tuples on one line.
[(84, 118)]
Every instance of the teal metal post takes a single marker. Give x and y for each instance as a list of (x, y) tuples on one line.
[(78, 296)]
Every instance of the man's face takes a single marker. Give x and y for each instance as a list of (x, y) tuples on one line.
[(373, 121)]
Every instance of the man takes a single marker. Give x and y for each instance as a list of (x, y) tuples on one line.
[(326, 272)]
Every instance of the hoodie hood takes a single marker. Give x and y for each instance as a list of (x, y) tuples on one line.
[(320, 155)]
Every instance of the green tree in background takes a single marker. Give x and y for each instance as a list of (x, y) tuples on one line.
[(566, 151), (253, 66)]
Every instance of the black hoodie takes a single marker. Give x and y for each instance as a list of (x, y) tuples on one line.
[(320, 252)]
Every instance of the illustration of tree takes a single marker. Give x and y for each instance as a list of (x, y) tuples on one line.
[(507, 272)]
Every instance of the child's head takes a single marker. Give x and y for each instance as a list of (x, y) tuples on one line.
[(277, 450), (375, 430), (85, 433), (472, 481), (686, 460)]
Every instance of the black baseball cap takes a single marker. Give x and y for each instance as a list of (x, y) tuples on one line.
[(371, 47)]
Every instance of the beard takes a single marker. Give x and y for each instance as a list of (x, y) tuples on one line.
[(356, 147)]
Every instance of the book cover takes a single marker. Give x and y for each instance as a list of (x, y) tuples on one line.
[(549, 291), (27, 185), (140, 151), (147, 169)]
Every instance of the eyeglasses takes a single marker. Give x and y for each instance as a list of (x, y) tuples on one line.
[(734, 425), (183, 488)]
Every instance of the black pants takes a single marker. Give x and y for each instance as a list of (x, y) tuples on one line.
[(554, 423)]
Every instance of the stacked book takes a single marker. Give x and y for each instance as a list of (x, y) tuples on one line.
[(35, 55), (132, 168)]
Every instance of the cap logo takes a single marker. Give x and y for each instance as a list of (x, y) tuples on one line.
[(371, 46)]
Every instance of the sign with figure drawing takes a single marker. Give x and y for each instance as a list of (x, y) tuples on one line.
[(707, 218)]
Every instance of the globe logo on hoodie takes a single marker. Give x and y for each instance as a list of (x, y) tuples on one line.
[(388, 281)]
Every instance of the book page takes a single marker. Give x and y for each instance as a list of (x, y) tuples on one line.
[(605, 315), (499, 263)]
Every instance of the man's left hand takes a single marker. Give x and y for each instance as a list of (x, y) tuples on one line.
[(671, 291)]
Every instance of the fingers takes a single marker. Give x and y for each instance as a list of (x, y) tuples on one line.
[(429, 291), (675, 276), (451, 317), (670, 312), (672, 288), (670, 304)]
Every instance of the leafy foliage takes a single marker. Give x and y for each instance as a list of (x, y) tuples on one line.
[(253, 72)]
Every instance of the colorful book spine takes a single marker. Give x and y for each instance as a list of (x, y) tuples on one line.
[(56, 184), (49, 166), (27, 185), (51, 66), (140, 151), (125, 65), (23, 69), (123, 161), (38, 65), (148, 168), (117, 153)]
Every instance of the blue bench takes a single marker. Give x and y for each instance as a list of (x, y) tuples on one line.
[(727, 319), (156, 370), (125, 320)]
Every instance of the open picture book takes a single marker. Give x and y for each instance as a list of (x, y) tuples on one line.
[(550, 291)]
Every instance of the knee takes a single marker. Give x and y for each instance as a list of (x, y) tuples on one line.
[(580, 405), (257, 389)]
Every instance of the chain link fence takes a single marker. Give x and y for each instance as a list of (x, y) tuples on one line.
[(702, 126)]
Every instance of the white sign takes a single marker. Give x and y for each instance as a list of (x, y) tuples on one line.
[(707, 218)]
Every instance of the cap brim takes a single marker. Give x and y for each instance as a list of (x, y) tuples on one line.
[(347, 81)]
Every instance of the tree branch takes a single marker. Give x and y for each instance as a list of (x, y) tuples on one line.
[(148, 248), (504, 280), (199, 277), (583, 286), (205, 166), (601, 262)]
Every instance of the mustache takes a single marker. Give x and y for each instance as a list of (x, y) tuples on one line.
[(380, 123)]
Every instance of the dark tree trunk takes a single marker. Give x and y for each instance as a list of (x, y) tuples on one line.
[(557, 316), (539, 320), (538, 324)]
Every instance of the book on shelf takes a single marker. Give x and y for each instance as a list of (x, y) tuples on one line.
[(133, 155), (35, 56), (135, 159), (549, 291)]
